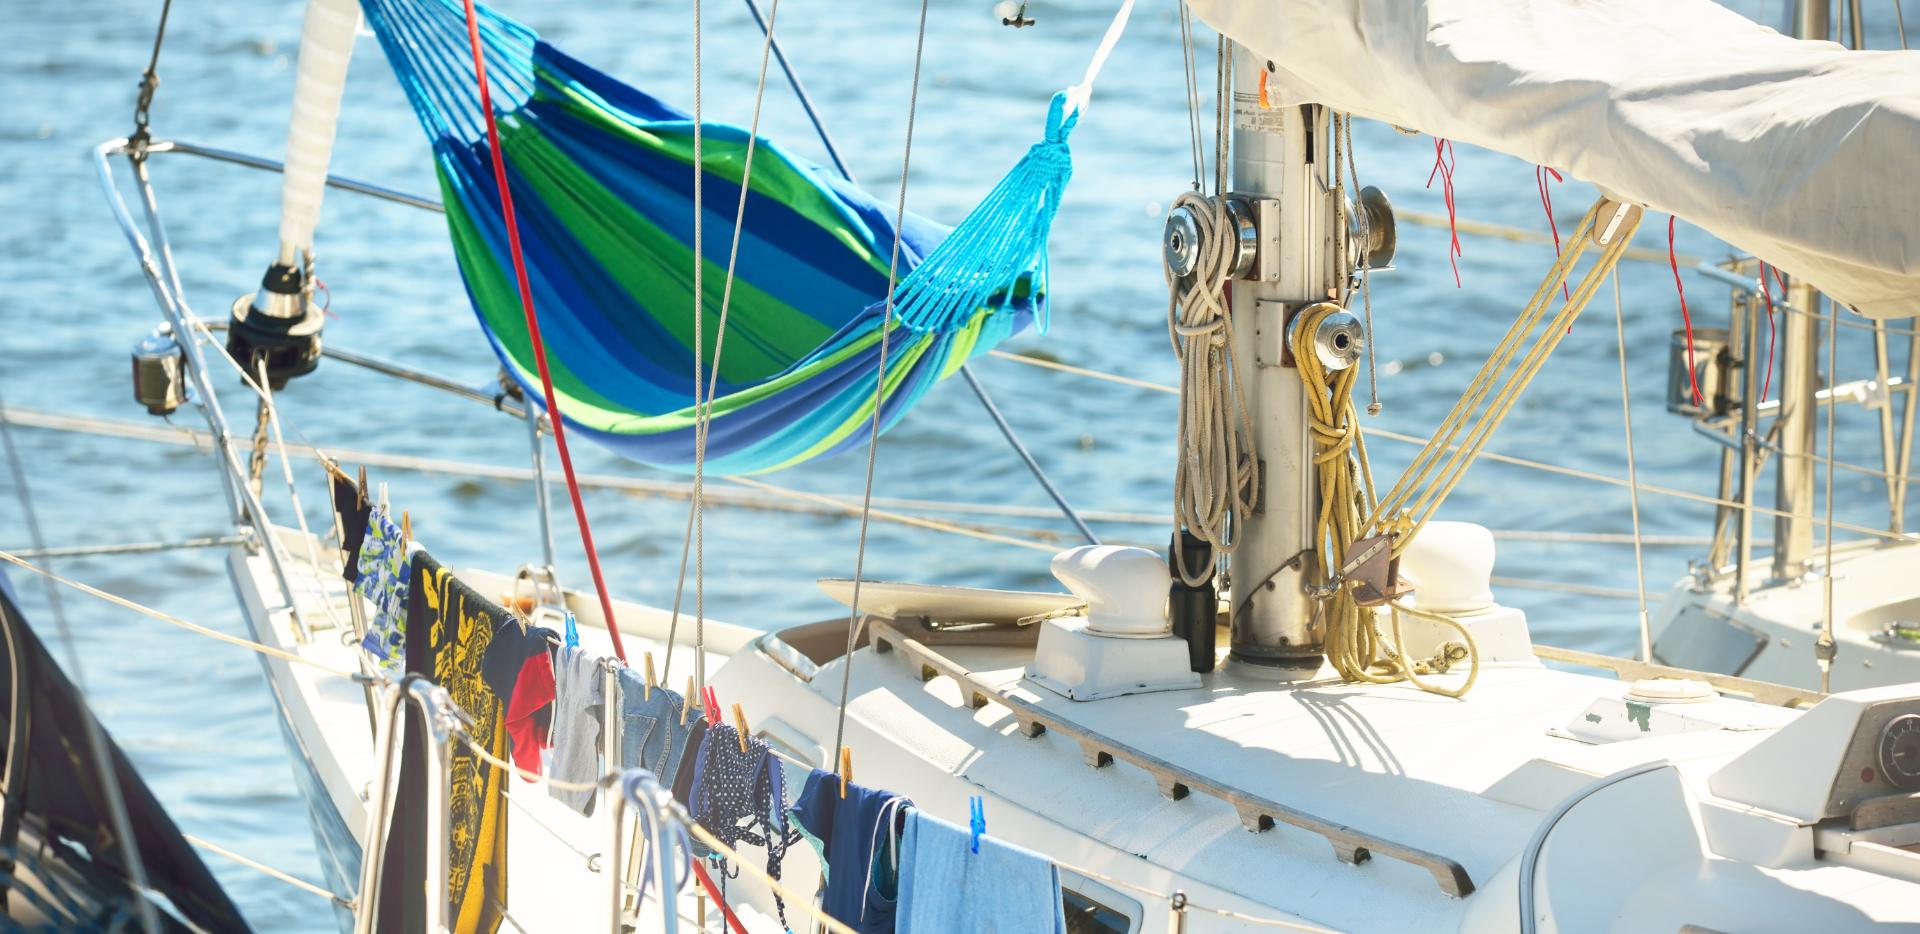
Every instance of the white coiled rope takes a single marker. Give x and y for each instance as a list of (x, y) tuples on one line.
[(1217, 472)]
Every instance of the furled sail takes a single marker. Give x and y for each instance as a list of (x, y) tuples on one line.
[(602, 181), (1803, 153)]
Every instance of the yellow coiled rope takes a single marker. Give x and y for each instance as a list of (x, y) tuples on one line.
[(1349, 510)]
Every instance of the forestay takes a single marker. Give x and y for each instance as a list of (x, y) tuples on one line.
[(1801, 152)]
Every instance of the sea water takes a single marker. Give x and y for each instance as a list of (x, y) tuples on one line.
[(197, 716)]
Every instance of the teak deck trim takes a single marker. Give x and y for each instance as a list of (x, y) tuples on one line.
[(1257, 814)]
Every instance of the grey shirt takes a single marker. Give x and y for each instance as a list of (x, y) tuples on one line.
[(577, 699)]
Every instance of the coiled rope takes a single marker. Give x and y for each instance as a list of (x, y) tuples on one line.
[(1216, 473), (1354, 644)]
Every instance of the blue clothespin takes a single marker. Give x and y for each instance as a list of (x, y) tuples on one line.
[(573, 632), (978, 819)]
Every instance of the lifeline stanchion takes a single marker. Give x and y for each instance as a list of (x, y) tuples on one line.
[(441, 718)]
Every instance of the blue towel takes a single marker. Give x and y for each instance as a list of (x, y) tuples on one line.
[(859, 850), (1002, 889)]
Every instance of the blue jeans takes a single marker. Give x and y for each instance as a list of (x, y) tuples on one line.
[(651, 734)]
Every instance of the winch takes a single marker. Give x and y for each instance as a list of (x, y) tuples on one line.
[(278, 324)]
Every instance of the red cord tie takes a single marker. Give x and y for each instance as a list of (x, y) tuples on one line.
[(1443, 163), (533, 331), (1673, 260), (1540, 173), (1766, 294)]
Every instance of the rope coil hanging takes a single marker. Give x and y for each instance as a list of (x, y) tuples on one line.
[(1349, 508), (1216, 474)]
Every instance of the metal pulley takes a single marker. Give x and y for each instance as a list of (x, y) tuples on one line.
[(1337, 340), (159, 371), (1182, 245), (1371, 238)]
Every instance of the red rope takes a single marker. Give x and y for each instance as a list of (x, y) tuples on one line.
[(706, 882), (1673, 259), (533, 331), (1767, 294), (1443, 163), (1540, 173)]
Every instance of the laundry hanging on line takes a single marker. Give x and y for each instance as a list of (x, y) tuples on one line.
[(518, 668), (946, 886), (353, 513), (858, 839), (578, 697), (384, 580), (652, 736), (739, 796), (451, 626)]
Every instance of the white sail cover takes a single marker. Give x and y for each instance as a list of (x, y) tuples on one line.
[(1804, 153)]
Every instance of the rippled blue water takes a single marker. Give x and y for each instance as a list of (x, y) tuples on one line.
[(195, 715)]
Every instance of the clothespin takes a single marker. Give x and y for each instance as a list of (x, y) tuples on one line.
[(977, 820), (691, 701), (647, 691), (740, 723), (360, 489), (406, 528), (846, 769), (712, 705)]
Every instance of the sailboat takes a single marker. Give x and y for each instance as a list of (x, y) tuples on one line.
[(1313, 714)]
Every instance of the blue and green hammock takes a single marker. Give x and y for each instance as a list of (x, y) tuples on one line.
[(602, 184)]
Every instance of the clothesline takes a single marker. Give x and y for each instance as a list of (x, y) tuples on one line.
[(484, 755), (478, 750), (170, 619)]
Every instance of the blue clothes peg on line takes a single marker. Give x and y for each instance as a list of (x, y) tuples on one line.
[(573, 632), (978, 820)]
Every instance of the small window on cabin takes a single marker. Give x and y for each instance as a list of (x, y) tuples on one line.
[(1094, 908)]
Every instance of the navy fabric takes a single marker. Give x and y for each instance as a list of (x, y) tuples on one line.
[(739, 795), (859, 835)]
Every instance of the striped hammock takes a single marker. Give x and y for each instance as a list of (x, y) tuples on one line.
[(602, 186)]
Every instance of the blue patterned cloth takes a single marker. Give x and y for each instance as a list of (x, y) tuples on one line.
[(383, 581)]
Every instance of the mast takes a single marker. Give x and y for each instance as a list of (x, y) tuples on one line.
[(1800, 341), (1280, 171)]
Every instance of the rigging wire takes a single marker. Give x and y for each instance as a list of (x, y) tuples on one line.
[(1824, 648), (879, 387), (1193, 94), (1344, 142), (149, 83), (172, 620), (1633, 481), (269, 871), (96, 735), (533, 320), (1512, 460), (703, 407), (966, 369)]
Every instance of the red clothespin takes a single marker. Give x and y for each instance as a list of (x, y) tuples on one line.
[(713, 705)]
